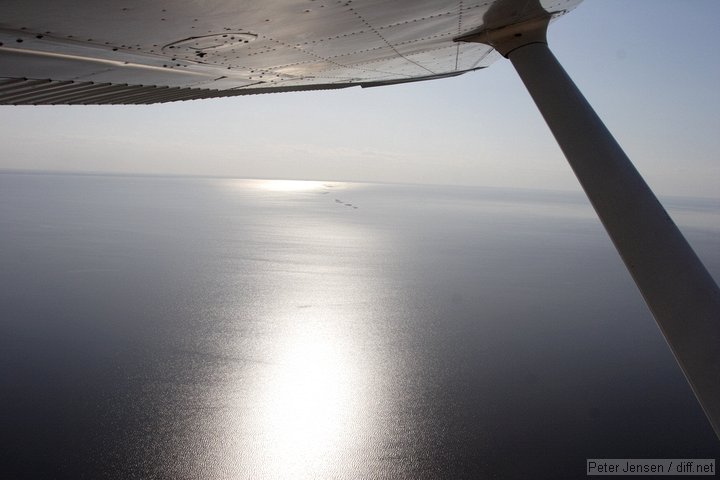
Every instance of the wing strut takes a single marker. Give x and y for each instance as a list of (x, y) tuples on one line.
[(680, 292)]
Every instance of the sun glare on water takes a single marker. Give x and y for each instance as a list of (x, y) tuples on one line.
[(296, 404), (291, 185)]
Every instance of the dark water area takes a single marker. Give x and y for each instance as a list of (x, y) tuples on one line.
[(207, 328)]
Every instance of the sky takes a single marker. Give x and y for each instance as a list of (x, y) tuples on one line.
[(650, 68)]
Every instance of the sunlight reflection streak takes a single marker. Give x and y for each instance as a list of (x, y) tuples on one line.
[(306, 406), (290, 185)]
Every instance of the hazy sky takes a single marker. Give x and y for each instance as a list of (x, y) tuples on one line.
[(650, 68)]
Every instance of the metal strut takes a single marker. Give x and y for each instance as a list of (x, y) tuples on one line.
[(677, 288)]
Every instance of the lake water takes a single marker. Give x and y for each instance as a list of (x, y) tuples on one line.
[(212, 328)]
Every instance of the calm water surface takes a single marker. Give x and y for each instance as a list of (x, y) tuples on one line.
[(218, 329)]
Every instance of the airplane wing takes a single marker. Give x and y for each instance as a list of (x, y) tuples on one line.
[(140, 52)]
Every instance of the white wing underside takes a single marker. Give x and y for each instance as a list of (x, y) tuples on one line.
[(140, 52)]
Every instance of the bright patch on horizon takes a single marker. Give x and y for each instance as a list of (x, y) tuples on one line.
[(291, 185)]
